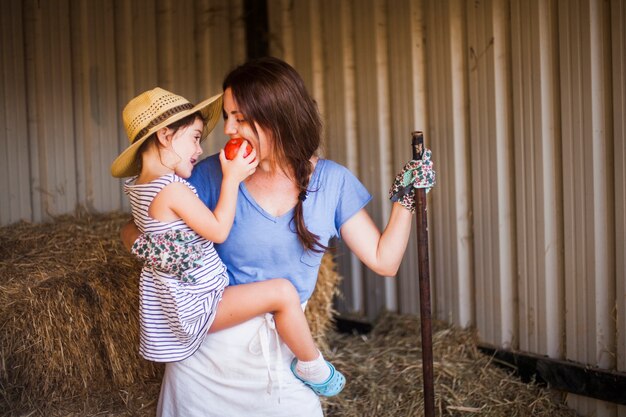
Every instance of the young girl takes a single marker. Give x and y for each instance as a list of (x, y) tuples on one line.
[(165, 132)]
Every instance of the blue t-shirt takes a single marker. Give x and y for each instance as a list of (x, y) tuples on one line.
[(261, 246)]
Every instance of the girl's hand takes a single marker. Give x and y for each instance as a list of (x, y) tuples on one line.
[(240, 167)]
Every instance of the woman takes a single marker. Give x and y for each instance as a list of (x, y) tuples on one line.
[(287, 212)]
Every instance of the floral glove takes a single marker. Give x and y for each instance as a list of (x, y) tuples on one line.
[(415, 174), (169, 252)]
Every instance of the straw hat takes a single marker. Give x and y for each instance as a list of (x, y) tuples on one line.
[(152, 110)]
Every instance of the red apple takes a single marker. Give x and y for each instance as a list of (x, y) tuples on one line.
[(232, 146)]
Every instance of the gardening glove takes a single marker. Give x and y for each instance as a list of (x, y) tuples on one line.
[(169, 252), (415, 174)]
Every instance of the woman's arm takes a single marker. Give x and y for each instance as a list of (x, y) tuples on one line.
[(382, 253), (129, 234)]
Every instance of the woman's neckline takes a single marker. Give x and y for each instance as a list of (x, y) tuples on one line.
[(287, 214)]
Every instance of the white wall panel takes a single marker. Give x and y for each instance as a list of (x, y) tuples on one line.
[(618, 24), (16, 201), (50, 108), (341, 140), (407, 101), (136, 65), (369, 19), (538, 197), (93, 69), (587, 167), (73, 65), (618, 57), (491, 148), (446, 57)]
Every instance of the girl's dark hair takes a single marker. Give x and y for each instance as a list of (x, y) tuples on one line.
[(178, 124), (272, 94)]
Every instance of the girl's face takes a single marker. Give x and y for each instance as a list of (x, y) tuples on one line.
[(186, 144), (236, 126)]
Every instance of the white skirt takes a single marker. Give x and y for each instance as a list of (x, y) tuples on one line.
[(241, 371)]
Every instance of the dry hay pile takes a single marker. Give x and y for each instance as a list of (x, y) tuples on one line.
[(69, 315), (68, 345), (68, 311), (384, 376), (319, 310)]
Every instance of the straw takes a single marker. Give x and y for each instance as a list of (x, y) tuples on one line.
[(69, 312), (69, 339)]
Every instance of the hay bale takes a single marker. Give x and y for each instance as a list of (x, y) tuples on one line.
[(319, 311), (69, 311)]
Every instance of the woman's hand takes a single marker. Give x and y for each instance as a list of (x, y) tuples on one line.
[(415, 174), (129, 234)]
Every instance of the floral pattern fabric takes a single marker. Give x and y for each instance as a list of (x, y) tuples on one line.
[(169, 252)]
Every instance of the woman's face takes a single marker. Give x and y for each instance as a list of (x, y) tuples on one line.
[(186, 145), (236, 126)]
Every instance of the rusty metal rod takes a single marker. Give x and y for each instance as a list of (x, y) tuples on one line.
[(417, 143)]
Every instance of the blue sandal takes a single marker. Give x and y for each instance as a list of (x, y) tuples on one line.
[(332, 386)]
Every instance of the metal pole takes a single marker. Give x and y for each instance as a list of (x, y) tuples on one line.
[(417, 144)]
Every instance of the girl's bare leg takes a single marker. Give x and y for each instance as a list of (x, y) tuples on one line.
[(240, 303)]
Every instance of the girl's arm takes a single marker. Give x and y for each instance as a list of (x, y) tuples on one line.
[(183, 204), (382, 253), (177, 201)]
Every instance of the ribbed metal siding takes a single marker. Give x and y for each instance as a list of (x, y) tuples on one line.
[(447, 95), (536, 134), (618, 36), (618, 58), (69, 68), (491, 159), (522, 103), (588, 209), (15, 184)]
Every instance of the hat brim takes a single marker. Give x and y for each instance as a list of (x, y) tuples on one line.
[(126, 165)]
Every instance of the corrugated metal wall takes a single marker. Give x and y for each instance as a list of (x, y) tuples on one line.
[(587, 141), (618, 44), (69, 66), (522, 103), (539, 207)]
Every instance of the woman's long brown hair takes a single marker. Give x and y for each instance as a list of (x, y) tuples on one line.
[(272, 94)]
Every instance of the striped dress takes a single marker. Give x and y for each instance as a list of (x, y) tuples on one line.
[(175, 315)]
